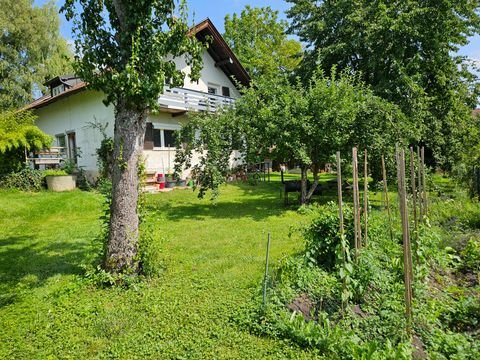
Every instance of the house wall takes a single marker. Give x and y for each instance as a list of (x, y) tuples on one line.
[(209, 74), (74, 113)]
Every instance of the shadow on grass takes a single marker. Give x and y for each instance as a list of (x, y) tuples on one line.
[(256, 202), (26, 263)]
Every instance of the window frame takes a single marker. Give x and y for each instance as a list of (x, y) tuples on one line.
[(162, 128)]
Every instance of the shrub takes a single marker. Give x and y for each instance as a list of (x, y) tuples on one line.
[(322, 235), (471, 255), (55, 172), (25, 180)]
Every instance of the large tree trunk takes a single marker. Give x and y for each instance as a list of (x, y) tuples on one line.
[(122, 246)]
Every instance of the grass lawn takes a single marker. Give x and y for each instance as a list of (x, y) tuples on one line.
[(213, 257)]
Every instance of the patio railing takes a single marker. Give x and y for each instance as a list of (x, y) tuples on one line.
[(191, 100)]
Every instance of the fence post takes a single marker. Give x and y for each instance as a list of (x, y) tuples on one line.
[(387, 203), (407, 256), (365, 197)]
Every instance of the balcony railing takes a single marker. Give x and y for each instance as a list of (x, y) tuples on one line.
[(180, 99)]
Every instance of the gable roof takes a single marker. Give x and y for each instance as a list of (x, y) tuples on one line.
[(220, 51), (204, 31)]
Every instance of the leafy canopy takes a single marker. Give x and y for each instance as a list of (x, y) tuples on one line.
[(259, 40), (18, 131), (128, 48), (31, 50), (279, 120), (404, 49)]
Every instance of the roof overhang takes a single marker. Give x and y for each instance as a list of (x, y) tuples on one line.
[(221, 53)]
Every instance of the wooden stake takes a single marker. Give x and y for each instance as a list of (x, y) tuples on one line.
[(407, 259), (365, 198), (414, 198), (420, 188), (424, 184), (385, 191), (356, 204), (340, 215), (340, 197)]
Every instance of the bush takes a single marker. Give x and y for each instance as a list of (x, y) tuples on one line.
[(322, 235), (25, 180), (471, 255), (55, 172)]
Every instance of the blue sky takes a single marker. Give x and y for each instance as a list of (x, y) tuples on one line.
[(217, 9)]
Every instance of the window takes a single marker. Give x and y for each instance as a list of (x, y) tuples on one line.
[(169, 138), (225, 91), (213, 89), (163, 138), (157, 138), (57, 90), (60, 140)]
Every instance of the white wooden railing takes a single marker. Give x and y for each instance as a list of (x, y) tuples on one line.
[(192, 100)]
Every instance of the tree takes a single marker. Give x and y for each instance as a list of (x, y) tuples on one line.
[(18, 135), (126, 51), (290, 122), (404, 49), (31, 50), (259, 40)]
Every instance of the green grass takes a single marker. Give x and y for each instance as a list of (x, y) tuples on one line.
[(213, 255)]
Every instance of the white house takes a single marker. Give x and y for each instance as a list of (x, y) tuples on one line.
[(68, 110)]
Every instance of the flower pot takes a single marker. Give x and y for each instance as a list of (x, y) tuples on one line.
[(61, 182), (170, 184)]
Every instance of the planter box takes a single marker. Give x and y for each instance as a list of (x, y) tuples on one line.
[(61, 182)]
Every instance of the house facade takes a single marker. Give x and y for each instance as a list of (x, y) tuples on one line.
[(72, 113)]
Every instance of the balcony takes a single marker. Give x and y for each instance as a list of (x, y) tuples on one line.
[(180, 100)]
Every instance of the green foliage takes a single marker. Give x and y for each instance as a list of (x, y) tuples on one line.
[(105, 158), (258, 38), (279, 120), (55, 172), (407, 61), (125, 54), (356, 309), (18, 135), (471, 255), (322, 236), (31, 50), (25, 180)]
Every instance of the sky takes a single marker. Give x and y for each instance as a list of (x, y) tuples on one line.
[(217, 9)]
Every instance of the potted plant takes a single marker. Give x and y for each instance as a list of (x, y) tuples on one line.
[(170, 180), (59, 180)]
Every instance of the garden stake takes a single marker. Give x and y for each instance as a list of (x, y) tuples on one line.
[(340, 216), (420, 189), (339, 187), (266, 273), (407, 259), (414, 198), (385, 190), (365, 198), (425, 200), (356, 204)]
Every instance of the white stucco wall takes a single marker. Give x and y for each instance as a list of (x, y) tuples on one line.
[(74, 113), (209, 75)]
